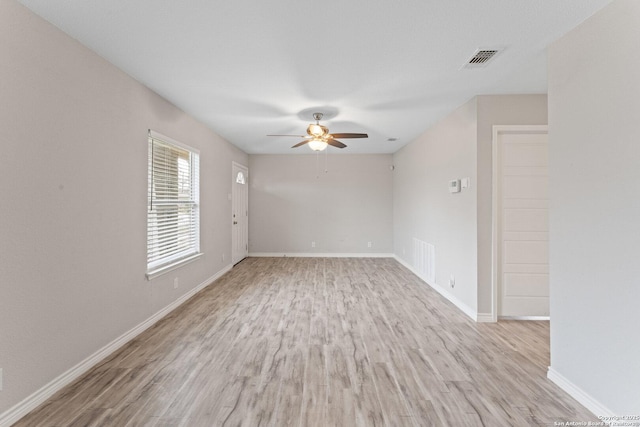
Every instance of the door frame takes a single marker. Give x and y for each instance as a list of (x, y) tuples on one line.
[(245, 169), (495, 214)]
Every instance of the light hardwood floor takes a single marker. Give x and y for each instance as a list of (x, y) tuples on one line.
[(319, 342)]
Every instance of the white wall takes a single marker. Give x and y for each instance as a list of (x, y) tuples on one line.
[(594, 142), (73, 191), (293, 202), (423, 207)]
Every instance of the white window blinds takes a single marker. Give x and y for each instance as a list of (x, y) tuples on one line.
[(173, 220)]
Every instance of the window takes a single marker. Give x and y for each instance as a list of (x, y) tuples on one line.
[(173, 210), (240, 178)]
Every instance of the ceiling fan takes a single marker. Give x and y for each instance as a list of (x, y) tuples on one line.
[(318, 136)]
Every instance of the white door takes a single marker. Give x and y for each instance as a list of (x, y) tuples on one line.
[(239, 213), (522, 221)]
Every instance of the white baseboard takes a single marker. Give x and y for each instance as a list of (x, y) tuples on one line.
[(485, 318), (442, 291), (578, 394), (536, 318), (27, 405), (319, 255)]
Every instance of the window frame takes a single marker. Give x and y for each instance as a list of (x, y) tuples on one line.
[(157, 266)]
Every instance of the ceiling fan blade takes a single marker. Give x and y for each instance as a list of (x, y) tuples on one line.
[(350, 135), (299, 144), (335, 143), (297, 136)]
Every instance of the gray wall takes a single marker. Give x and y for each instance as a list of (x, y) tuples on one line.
[(74, 180), (497, 110), (594, 142), (458, 225), (424, 208), (293, 202), (73, 132)]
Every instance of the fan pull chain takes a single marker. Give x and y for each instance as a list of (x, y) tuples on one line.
[(326, 156), (317, 165)]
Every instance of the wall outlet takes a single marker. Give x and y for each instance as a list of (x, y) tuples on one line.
[(452, 281), (313, 244), (175, 283), (0, 379), (222, 257), (368, 244)]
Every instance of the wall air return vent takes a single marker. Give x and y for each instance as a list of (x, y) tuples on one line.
[(481, 58)]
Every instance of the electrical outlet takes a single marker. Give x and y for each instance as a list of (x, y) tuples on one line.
[(0, 379), (369, 244), (222, 257), (313, 244), (175, 283), (452, 281)]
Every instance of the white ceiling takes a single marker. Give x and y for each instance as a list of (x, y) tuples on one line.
[(248, 68)]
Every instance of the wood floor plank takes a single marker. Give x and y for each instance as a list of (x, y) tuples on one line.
[(394, 406), (319, 342), (421, 409), (314, 409), (289, 399)]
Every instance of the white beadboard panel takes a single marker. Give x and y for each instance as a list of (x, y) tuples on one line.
[(523, 154), (515, 306), (526, 252), (530, 123), (524, 268), (535, 187), (522, 224), (522, 203), (525, 220), (530, 284)]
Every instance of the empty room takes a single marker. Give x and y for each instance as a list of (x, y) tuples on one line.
[(418, 213)]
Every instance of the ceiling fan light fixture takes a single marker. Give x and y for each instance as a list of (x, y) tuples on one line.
[(317, 130), (317, 144), (318, 136)]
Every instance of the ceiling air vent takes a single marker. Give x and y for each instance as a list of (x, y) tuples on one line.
[(481, 58)]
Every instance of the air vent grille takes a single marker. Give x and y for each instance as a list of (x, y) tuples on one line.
[(481, 57)]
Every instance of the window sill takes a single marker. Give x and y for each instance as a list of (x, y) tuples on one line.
[(170, 267)]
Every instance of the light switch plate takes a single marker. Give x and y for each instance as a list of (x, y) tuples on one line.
[(454, 186)]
